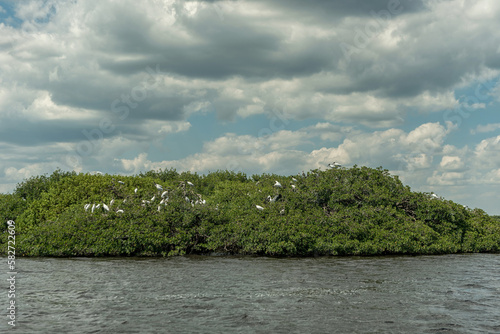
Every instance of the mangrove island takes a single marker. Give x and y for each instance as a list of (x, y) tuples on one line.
[(340, 211)]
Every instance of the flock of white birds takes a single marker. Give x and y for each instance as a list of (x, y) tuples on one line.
[(162, 198)]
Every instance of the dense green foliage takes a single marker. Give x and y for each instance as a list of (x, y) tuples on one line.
[(355, 211)]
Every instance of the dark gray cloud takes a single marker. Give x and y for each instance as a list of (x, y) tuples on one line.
[(338, 9)]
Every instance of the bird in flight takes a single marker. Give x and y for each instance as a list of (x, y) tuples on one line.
[(334, 165)]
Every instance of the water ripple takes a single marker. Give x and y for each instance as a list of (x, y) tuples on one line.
[(428, 294)]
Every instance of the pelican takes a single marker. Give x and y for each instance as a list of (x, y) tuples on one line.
[(159, 187), (277, 184), (105, 207), (334, 165), (259, 208)]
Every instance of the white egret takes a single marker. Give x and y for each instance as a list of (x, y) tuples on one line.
[(97, 206), (294, 179), (277, 184), (434, 196), (153, 198), (86, 207), (294, 187), (111, 202), (159, 187), (119, 211), (282, 212), (190, 184), (163, 194), (334, 165), (187, 199), (121, 182), (259, 208), (135, 190), (93, 208), (105, 207), (159, 208)]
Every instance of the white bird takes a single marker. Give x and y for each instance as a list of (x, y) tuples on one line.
[(163, 194), (334, 165), (294, 187), (162, 201), (111, 202), (282, 212), (259, 208), (119, 211), (86, 207), (434, 196), (135, 190), (153, 198), (159, 208), (121, 182), (93, 208), (187, 199), (294, 179), (97, 206), (159, 187), (190, 184), (277, 184), (105, 207)]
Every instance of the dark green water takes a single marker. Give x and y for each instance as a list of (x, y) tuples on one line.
[(425, 294)]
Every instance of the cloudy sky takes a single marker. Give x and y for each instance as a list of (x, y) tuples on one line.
[(254, 86)]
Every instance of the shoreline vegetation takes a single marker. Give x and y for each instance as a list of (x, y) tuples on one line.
[(340, 211)]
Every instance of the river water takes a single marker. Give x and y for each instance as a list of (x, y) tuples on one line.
[(212, 294)]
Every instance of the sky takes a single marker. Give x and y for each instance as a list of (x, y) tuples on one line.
[(124, 87)]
